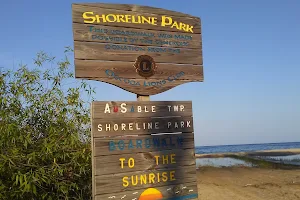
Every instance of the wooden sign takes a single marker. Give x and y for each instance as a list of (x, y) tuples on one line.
[(141, 49), (143, 150)]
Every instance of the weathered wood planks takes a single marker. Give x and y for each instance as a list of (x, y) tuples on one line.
[(141, 126), (144, 161), (182, 40), (187, 190), (78, 11), (93, 69), (114, 52), (131, 162), (142, 143), (118, 109), (130, 181), (114, 36), (107, 69), (142, 86)]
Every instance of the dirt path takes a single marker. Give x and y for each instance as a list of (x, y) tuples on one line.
[(248, 184)]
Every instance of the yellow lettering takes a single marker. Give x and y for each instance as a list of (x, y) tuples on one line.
[(109, 16), (175, 24), (143, 179), (125, 181), (151, 178), (173, 159), (156, 159), (164, 20), (164, 177), (131, 163), (172, 176), (154, 22), (127, 18), (136, 180), (144, 19), (102, 17), (165, 159), (122, 162), (120, 18), (182, 26), (189, 29), (134, 19), (92, 19)]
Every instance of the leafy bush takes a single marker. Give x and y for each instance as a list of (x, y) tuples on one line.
[(44, 132)]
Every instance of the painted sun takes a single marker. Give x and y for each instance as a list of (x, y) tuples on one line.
[(151, 194)]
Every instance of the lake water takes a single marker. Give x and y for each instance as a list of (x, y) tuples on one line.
[(221, 162), (226, 162), (246, 147)]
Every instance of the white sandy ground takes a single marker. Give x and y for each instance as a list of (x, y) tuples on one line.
[(248, 184)]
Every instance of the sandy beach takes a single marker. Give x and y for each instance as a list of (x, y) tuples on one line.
[(246, 183)]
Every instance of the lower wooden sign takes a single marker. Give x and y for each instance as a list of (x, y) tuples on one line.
[(148, 165)]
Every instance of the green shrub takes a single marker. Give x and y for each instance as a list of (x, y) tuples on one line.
[(44, 132)]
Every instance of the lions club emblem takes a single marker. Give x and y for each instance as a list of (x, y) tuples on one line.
[(145, 66)]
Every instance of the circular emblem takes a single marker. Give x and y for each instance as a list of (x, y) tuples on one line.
[(177, 190), (145, 66)]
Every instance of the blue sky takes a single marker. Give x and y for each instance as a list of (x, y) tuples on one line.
[(251, 50)]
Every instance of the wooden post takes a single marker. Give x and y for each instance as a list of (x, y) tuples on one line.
[(143, 98)]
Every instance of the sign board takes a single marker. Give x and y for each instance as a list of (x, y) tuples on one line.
[(143, 50), (143, 150)]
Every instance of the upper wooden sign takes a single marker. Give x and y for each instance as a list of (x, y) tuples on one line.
[(141, 49)]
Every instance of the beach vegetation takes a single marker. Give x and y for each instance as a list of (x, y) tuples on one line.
[(44, 131)]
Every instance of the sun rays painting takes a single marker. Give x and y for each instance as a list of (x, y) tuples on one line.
[(172, 193), (151, 194)]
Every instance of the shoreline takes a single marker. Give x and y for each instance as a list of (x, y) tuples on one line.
[(273, 152)]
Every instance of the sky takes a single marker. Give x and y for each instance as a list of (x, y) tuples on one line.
[(251, 57)]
